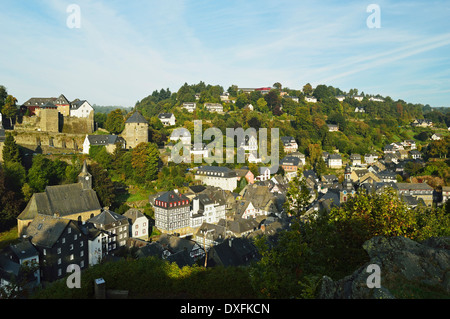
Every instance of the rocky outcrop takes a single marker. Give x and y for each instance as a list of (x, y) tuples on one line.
[(398, 258)]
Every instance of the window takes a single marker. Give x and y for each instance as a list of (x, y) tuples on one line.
[(69, 230), (59, 272), (58, 251), (63, 240), (71, 257), (59, 261), (71, 247), (82, 253), (82, 243), (75, 237)]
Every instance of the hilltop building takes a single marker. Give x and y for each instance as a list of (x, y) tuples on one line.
[(136, 130)]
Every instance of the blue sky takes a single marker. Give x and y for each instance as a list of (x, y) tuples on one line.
[(125, 50)]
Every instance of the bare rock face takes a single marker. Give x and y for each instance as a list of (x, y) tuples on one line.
[(427, 263)]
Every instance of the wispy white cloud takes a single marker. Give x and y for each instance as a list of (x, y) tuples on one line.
[(124, 51)]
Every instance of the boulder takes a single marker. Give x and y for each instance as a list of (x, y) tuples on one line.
[(425, 263)]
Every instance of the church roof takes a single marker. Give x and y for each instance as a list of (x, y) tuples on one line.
[(62, 200)]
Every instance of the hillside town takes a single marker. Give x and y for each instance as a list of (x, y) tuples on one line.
[(211, 220)]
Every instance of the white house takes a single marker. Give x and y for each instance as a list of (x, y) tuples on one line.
[(376, 99), (139, 224), (225, 97), (335, 161), (409, 143), (214, 107), (109, 141), (167, 119), (80, 109), (250, 143), (358, 97), (310, 99), (436, 137), (371, 158), (181, 135), (289, 144), (264, 174), (207, 208), (190, 106), (333, 127), (253, 158), (217, 176), (200, 149), (355, 159), (97, 247)]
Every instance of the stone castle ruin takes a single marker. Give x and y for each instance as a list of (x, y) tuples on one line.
[(49, 124)]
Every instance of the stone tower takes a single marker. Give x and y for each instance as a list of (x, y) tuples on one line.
[(49, 118), (136, 130), (85, 178)]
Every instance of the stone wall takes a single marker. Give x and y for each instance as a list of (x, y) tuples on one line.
[(52, 121), (49, 140)]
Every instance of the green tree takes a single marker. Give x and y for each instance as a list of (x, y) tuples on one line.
[(115, 122), (261, 106), (307, 89), (9, 109), (3, 95), (40, 173), (102, 184), (11, 151), (281, 269), (145, 162), (298, 196), (15, 175)]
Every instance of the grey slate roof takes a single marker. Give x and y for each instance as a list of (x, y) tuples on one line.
[(205, 170), (132, 214), (46, 230), (75, 105), (165, 115), (97, 140), (172, 196), (107, 217), (290, 160), (235, 252), (136, 118), (63, 200), (40, 101), (23, 249)]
